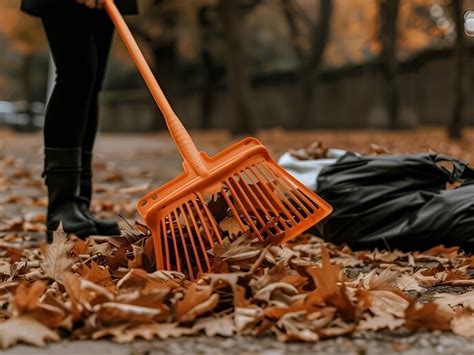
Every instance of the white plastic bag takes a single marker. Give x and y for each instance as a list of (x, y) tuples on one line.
[(307, 171)]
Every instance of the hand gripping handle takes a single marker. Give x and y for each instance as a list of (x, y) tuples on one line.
[(180, 135)]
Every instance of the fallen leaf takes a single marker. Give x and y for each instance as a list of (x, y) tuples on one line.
[(197, 300), (463, 323), (378, 322), (112, 312), (126, 334), (211, 326), (427, 316), (327, 289), (25, 330), (56, 255)]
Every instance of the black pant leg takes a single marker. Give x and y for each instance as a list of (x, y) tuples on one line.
[(72, 46), (102, 32)]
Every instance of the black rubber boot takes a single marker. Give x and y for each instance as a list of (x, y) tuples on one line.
[(62, 169), (107, 227)]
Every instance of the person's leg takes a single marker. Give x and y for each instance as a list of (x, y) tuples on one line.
[(102, 32), (72, 47)]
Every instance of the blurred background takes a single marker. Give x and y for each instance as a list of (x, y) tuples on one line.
[(246, 65)]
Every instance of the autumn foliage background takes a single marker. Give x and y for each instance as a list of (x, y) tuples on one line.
[(252, 64)]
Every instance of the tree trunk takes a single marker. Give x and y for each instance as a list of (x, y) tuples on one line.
[(309, 69), (208, 85), (455, 127), (237, 76), (289, 14), (388, 39)]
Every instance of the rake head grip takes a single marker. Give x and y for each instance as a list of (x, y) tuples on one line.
[(183, 140)]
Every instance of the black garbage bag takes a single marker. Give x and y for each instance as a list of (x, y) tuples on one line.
[(398, 202)]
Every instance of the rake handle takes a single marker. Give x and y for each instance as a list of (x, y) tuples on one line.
[(180, 135)]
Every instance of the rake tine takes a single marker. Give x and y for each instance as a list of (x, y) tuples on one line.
[(191, 239), (167, 253), (198, 234), (247, 217), (183, 240), (156, 235), (203, 222), (210, 218), (173, 236), (244, 195), (252, 196), (271, 195), (290, 191), (309, 203), (282, 194), (234, 211), (267, 203)]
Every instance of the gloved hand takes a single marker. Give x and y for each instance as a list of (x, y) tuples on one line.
[(92, 4)]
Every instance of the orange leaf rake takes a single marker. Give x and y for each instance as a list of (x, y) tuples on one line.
[(243, 181)]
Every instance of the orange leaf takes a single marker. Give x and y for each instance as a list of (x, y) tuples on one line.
[(327, 291), (188, 308), (428, 316), (98, 275), (26, 296)]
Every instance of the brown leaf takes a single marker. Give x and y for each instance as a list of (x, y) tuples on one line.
[(81, 247), (463, 323), (14, 254), (26, 330), (137, 261), (231, 279), (140, 279), (378, 322), (231, 226), (26, 297), (197, 300), (327, 290), (246, 318), (292, 326), (406, 282), (266, 294), (381, 302), (383, 281), (98, 275), (84, 295), (216, 326), (57, 260), (240, 249), (126, 334), (112, 312), (427, 316), (448, 301)]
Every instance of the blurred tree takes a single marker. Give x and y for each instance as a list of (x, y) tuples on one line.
[(388, 58), (455, 126), (26, 37), (231, 12), (211, 70), (183, 27), (311, 59)]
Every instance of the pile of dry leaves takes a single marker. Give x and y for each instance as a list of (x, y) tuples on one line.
[(304, 290)]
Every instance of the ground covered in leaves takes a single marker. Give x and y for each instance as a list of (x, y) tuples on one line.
[(306, 290)]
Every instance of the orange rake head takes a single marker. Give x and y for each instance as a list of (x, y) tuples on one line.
[(261, 198)]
